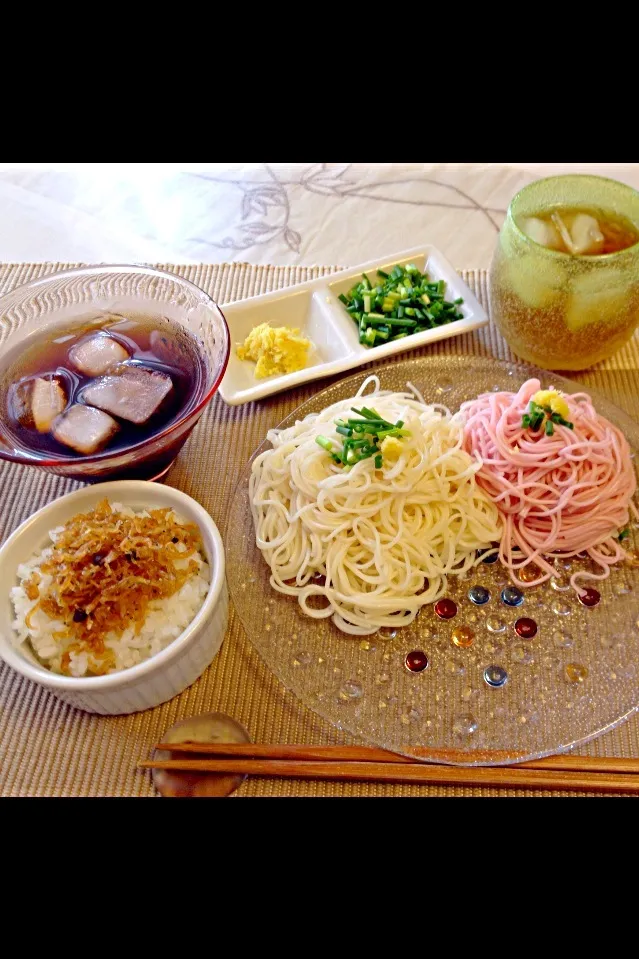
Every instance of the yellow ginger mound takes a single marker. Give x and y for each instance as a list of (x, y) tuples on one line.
[(554, 400), (391, 447), (275, 350)]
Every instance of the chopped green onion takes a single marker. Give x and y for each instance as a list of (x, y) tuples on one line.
[(537, 414), (381, 311), (623, 534), (371, 430), (392, 432), (373, 415), (324, 442)]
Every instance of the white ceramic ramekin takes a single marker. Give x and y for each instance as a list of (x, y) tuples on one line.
[(162, 676)]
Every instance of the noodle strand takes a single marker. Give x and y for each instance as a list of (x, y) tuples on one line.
[(559, 495), (374, 544)]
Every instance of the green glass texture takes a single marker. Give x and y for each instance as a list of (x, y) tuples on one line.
[(560, 311)]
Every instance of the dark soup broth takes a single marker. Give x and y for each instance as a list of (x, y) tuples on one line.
[(98, 384)]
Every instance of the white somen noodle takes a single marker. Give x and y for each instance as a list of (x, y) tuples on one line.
[(377, 544)]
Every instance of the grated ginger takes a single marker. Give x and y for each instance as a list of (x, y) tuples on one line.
[(553, 400), (391, 447), (275, 350)]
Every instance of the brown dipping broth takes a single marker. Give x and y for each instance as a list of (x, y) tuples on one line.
[(155, 343)]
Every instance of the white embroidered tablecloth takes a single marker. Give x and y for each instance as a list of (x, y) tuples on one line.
[(262, 213)]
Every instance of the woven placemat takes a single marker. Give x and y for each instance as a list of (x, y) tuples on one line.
[(48, 748)]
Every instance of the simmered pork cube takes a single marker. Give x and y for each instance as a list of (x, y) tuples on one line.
[(97, 354), (47, 401), (36, 401), (134, 394), (84, 429)]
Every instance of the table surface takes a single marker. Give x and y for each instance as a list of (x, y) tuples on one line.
[(48, 748), (293, 215), (281, 213)]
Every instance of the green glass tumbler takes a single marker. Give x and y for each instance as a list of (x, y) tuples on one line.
[(558, 310)]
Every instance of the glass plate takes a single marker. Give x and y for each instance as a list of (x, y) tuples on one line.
[(577, 678)]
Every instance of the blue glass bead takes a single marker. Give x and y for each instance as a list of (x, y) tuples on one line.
[(489, 559), (478, 595), (512, 596), (495, 676)]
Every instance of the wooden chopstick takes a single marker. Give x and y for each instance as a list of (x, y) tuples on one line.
[(505, 777), (370, 764), (607, 764)]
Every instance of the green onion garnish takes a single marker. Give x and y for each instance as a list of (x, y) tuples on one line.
[(623, 534), (536, 415), (324, 442), (362, 437), (403, 302)]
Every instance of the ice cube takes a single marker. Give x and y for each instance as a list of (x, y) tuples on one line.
[(85, 429), (134, 394), (537, 279), (97, 354), (48, 399), (598, 296), (36, 401), (542, 232), (587, 238)]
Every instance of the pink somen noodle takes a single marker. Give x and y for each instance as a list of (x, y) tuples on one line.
[(559, 495)]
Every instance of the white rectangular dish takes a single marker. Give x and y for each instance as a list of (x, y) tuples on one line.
[(314, 307)]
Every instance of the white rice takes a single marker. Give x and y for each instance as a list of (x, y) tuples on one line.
[(165, 619)]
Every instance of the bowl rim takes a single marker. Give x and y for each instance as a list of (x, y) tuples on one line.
[(63, 460), (130, 676)]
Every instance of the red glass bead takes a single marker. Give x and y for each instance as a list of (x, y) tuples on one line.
[(416, 661), (526, 628), (590, 597), (445, 608)]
